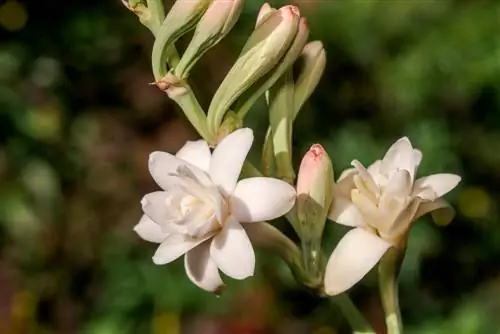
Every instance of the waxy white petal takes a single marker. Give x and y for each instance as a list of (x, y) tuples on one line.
[(441, 210), (201, 269), (232, 251), (161, 166), (155, 207), (357, 252), (440, 183), (344, 212), (196, 153), (174, 246), (401, 155), (261, 198), (228, 158), (149, 230)]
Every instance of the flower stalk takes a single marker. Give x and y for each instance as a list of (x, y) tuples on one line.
[(388, 271), (355, 318)]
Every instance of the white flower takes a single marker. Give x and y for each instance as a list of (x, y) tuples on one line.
[(381, 202), (202, 204)]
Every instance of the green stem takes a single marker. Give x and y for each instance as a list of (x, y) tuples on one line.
[(194, 112), (388, 283), (312, 262), (356, 320), (157, 14)]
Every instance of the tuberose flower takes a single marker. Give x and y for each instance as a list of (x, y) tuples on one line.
[(381, 202), (199, 211)]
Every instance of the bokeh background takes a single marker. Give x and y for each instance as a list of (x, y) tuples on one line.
[(78, 120)]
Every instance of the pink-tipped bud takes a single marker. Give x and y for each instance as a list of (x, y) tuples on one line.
[(314, 191), (265, 10)]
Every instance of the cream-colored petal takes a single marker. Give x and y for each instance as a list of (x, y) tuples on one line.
[(228, 158), (366, 179), (174, 246), (399, 185), (347, 173), (357, 252), (149, 230), (365, 206), (344, 212), (232, 251), (161, 166), (202, 270), (440, 183), (196, 153), (442, 212), (400, 155), (261, 198)]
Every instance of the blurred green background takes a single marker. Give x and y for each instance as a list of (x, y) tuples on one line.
[(78, 120)]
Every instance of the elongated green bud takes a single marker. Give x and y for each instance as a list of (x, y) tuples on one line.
[(248, 99), (281, 99), (313, 64), (182, 18), (262, 52), (218, 20)]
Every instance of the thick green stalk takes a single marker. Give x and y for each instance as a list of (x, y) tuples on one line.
[(357, 321), (157, 13), (388, 283)]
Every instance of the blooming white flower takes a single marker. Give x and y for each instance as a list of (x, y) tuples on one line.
[(381, 202), (202, 204)]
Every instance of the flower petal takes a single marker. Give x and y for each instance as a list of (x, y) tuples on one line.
[(357, 252), (442, 212), (174, 246), (155, 207), (440, 183), (149, 230), (401, 155), (161, 166), (228, 158), (261, 198), (196, 153), (344, 212), (202, 270), (232, 251)]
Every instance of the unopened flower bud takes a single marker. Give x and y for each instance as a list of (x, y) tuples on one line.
[(182, 17), (313, 64), (218, 20), (264, 11), (281, 98), (247, 100), (262, 52), (314, 191)]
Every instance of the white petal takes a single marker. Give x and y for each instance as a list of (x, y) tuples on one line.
[(440, 183), (261, 198), (174, 246), (202, 270), (365, 177), (357, 252), (149, 230), (398, 186), (161, 166), (344, 212), (442, 212), (232, 251), (347, 173), (401, 155), (228, 158), (196, 153), (155, 207)]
